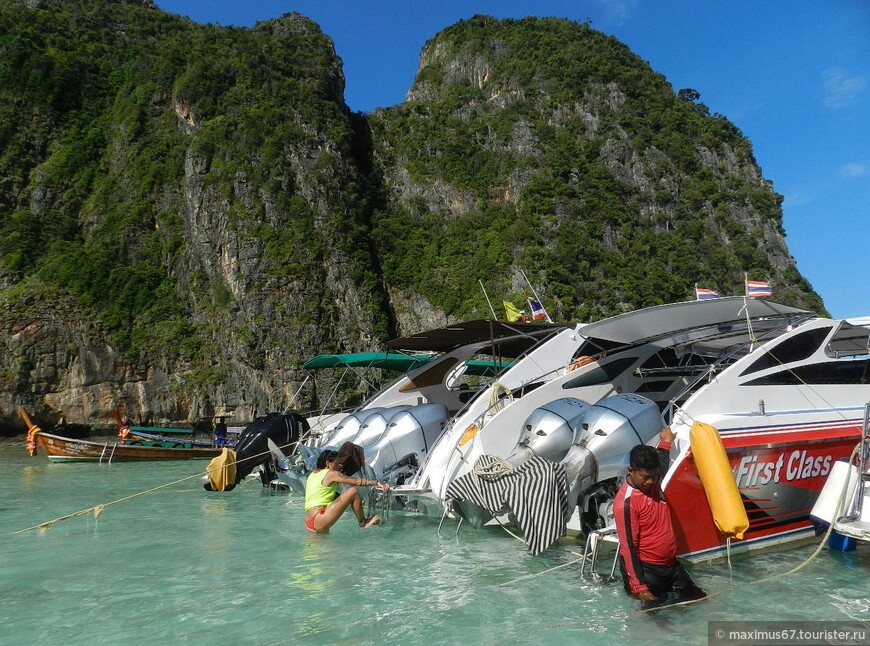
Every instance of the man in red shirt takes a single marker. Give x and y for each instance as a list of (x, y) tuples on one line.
[(647, 547)]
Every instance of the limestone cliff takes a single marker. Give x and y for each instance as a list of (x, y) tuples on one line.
[(188, 212)]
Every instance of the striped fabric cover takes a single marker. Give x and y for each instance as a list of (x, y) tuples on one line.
[(536, 492)]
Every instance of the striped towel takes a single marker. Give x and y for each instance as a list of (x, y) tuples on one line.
[(536, 492)]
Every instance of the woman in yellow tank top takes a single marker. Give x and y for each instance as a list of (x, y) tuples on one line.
[(323, 505)]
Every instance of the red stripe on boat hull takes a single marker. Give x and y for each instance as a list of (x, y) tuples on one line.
[(779, 473)]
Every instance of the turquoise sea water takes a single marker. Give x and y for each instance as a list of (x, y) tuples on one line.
[(186, 566)]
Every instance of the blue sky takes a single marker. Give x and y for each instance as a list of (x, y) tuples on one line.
[(793, 75)]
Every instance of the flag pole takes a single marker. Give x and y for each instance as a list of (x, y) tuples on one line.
[(537, 298), (494, 317)]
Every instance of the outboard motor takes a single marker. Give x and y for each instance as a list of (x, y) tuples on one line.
[(363, 428), (375, 426), (347, 428), (597, 460), (397, 455), (253, 446), (549, 431)]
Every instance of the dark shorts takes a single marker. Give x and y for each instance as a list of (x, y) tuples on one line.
[(661, 579)]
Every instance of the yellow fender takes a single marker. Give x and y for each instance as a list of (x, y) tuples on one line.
[(222, 470), (721, 490)]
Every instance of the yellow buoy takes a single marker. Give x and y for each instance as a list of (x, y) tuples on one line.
[(721, 490), (222, 470)]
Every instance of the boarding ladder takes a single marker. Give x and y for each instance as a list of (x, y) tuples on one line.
[(856, 504), (378, 504), (111, 455), (592, 550)]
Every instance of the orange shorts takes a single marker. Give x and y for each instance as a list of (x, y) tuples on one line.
[(309, 522)]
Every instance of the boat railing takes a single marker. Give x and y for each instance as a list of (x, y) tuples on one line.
[(678, 371), (592, 550), (853, 511), (508, 396), (719, 365)]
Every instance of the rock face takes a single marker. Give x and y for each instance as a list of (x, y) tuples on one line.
[(187, 219)]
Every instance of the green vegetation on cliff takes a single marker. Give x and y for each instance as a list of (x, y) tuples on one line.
[(204, 204), (575, 161), (101, 106)]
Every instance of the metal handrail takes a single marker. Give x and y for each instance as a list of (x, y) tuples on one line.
[(853, 511)]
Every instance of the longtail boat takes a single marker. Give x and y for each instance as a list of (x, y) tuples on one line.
[(65, 449), (173, 437)]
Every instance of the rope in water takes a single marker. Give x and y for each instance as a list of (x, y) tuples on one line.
[(799, 567), (552, 569), (97, 510), (586, 622)]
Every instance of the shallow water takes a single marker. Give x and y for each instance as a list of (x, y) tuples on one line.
[(182, 565)]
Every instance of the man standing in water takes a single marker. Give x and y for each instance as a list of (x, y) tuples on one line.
[(647, 546)]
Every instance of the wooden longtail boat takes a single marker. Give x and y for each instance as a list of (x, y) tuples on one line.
[(63, 449), (134, 438), (171, 437)]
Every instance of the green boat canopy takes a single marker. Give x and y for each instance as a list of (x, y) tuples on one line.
[(391, 361), (386, 360)]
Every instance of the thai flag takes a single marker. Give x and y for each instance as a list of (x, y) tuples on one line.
[(702, 294), (538, 312), (757, 288)]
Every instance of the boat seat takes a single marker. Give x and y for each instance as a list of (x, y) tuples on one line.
[(592, 550)]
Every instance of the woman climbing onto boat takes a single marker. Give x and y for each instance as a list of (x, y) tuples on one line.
[(324, 506)]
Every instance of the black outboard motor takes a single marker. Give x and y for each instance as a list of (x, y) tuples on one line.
[(253, 450)]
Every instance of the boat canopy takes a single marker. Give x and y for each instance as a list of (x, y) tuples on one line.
[(393, 361), (512, 338), (386, 360), (668, 320)]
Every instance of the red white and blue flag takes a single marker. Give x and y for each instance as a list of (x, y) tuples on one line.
[(758, 288), (703, 294), (537, 310)]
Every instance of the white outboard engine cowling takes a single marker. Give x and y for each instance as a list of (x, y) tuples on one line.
[(410, 434), (549, 431), (612, 427), (347, 428), (375, 426), (608, 431)]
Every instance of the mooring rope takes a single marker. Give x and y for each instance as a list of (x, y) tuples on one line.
[(797, 568), (552, 569), (97, 510)]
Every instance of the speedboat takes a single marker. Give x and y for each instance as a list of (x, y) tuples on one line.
[(355, 374), (786, 413), (659, 352), (783, 387), (467, 367)]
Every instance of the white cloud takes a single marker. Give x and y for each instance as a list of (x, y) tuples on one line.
[(842, 89), (796, 198), (854, 170), (618, 11)]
